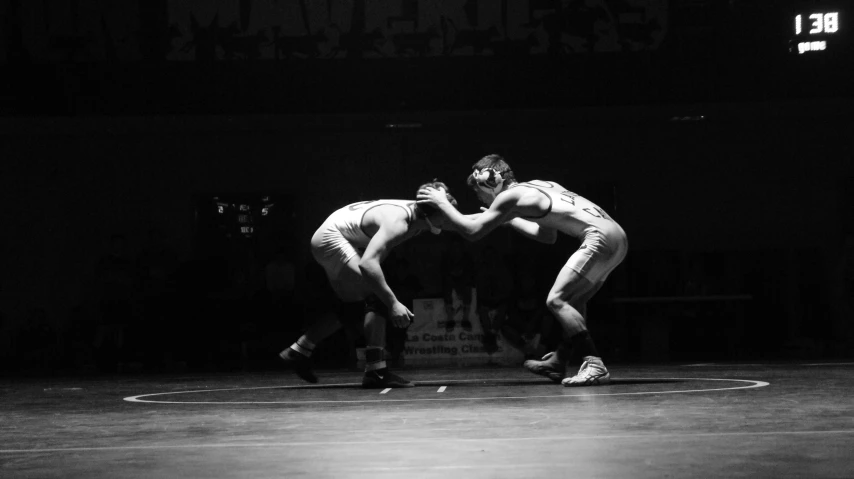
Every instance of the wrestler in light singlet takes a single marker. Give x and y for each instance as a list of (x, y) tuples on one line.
[(342, 236), (603, 242), (351, 245), (540, 210)]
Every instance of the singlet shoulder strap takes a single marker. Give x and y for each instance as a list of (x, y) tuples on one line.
[(548, 210), (408, 207)]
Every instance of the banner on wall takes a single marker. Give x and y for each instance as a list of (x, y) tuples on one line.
[(329, 29), (206, 30), (429, 343)]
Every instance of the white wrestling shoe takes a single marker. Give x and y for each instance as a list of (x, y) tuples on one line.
[(592, 373)]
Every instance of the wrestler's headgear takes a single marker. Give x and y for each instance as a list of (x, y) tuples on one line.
[(488, 179)]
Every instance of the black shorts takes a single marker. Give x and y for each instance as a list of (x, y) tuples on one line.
[(352, 314), (374, 305)]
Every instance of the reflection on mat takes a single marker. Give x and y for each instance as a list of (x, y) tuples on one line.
[(487, 383)]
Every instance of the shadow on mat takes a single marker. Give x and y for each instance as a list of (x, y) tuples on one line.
[(456, 383), (619, 382), (322, 386), (488, 383), (535, 382)]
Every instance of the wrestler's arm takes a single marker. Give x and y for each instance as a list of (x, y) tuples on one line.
[(531, 230), (475, 227), (534, 231), (390, 234)]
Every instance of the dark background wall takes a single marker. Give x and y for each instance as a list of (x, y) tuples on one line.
[(764, 182), (727, 159)]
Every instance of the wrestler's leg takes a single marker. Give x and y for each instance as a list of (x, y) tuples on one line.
[(569, 305), (344, 285), (377, 375), (569, 289), (349, 287)]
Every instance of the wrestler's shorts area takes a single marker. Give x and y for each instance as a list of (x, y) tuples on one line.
[(352, 314), (373, 304), (331, 250), (598, 255)]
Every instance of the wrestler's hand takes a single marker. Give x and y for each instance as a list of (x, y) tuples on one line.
[(401, 316), (432, 196)]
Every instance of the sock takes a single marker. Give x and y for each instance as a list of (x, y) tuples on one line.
[(374, 359), (583, 345), (562, 352), (303, 346)]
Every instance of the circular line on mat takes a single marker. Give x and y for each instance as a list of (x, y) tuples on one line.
[(139, 398)]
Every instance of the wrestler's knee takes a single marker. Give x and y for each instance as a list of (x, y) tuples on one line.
[(556, 302), (348, 291), (373, 304)]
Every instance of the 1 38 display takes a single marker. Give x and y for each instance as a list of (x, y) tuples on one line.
[(816, 29)]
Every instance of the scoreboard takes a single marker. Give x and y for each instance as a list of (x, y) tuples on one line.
[(818, 28), (240, 218), (821, 27)]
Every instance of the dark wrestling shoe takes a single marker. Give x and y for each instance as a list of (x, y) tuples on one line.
[(383, 378), (547, 367), (299, 363)]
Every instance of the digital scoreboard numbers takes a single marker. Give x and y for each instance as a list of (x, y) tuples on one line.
[(816, 31)]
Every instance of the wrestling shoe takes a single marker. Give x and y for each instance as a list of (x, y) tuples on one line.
[(547, 367), (383, 378), (299, 363), (592, 373)]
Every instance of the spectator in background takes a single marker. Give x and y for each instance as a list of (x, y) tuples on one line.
[(494, 286), (78, 339), (7, 345), (157, 265), (457, 283), (38, 341), (846, 329), (319, 298), (280, 282), (115, 276), (848, 269), (528, 320)]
